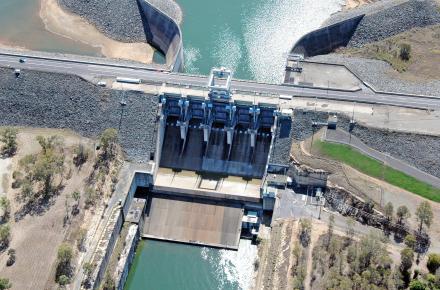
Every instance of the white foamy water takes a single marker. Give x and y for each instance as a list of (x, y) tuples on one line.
[(271, 31), (191, 55), (233, 267)]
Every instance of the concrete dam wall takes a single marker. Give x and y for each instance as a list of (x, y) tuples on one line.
[(163, 33), (327, 39)]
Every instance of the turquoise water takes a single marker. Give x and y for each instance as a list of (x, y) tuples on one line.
[(162, 266), (252, 37), (21, 25)]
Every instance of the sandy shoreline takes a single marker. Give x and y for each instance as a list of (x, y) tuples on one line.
[(65, 24), (351, 4)]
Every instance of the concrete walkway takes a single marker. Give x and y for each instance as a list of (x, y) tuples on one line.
[(343, 137)]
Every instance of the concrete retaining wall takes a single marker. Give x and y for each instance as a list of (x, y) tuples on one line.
[(140, 179), (104, 250), (327, 39), (163, 33), (127, 256)]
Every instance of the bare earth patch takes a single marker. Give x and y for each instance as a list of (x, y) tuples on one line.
[(351, 4), (425, 53), (60, 22)]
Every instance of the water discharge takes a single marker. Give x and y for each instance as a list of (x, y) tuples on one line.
[(162, 265)]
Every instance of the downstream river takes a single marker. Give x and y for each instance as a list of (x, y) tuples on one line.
[(163, 265)]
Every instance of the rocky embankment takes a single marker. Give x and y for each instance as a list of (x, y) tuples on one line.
[(394, 20), (419, 150), (50, 100), (387, 18), (121, 20)]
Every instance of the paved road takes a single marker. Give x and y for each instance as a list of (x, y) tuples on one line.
[(340, 136), (98, 68)]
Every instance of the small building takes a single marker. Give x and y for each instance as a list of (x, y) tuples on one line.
[(136, 212), (250, 223)]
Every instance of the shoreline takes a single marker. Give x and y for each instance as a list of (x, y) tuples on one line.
[(74, 27)]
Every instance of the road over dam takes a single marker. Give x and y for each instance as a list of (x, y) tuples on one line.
[(103, 68)]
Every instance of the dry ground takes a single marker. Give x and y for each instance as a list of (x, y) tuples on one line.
[(351, 4), (368, 188), (425, 53), (36, 237)]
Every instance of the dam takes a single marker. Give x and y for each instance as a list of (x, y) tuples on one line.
[(213, 158)]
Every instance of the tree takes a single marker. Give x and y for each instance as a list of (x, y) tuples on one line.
[(305, 231), (417, 285), (5, 284), (42, 168), (405, 51), (109, 283), (410, 241), (88, 269), (76, 197), (331, 225), (64, 258), (5, 209), (11, 258), (8, 136), (350, 228), (90, 197), (81, 155), (433, 262), (402, 214), (406, 259), (108, 140), (424, 215), (63, 280), (5, 235), (82, 235), (389, 211)]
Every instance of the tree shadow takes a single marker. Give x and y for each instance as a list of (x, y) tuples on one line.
[(39, 206)]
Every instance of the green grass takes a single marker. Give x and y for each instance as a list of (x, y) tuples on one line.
[(374, 168)]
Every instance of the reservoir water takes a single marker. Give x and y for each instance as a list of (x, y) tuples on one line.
[(21, 25), (162, 266), (252, 37)]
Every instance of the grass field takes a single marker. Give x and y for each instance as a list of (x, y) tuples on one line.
[(374, 168)]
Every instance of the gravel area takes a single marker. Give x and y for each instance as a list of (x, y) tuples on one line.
[(120, 20), (386, 18), (50, 100), (376, 73)]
